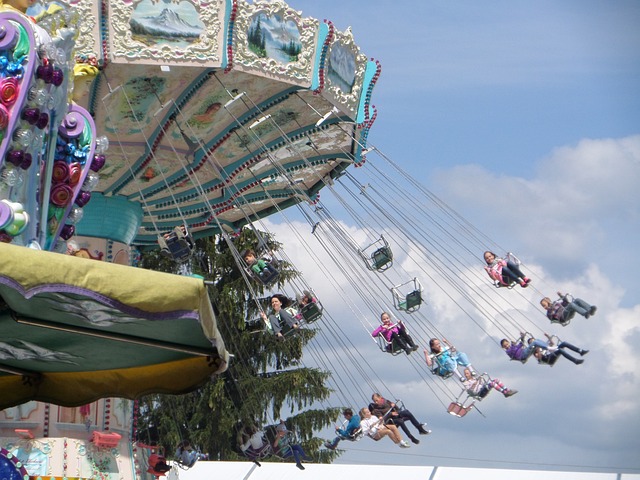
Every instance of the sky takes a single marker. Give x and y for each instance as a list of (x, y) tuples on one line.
[(524, 117)]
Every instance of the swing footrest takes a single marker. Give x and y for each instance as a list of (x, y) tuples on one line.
[(104, 439), (458, 410)]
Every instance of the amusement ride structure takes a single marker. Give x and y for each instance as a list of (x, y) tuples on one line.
[(133, 125), (136, 125)]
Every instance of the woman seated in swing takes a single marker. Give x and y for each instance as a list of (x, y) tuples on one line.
[(375, 428), (444, 361), (503, 271), (279, 315), (252, 443), (478, 388), (395, 333)]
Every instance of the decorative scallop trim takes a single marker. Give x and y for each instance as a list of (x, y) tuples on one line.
[(367, 98), (17, 464), (323, 56), (104, 32), (365, 134), (45, 426), (107, 414), (230, 33)]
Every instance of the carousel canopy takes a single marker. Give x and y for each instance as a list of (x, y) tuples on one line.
[(217, 112), (75, 330)]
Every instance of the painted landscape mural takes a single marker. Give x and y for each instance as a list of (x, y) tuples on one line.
[(166, 23), (273, 37), (341, 68)]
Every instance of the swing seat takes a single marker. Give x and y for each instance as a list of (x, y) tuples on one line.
[(267, 276), (412, 301), (565, 321), (105, 439), (382, 259), (157, 473), (311, 312), (407, 301), (389, 347), (356, 435), (505, 283), (457, 409), (258, 454), (286, 329), (437, 370), (551, 362), (256, 325), (184, 464), (176, 244), (157, 465)]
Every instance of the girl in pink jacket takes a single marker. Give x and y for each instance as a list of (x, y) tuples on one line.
[(395, 332), (504, 271)]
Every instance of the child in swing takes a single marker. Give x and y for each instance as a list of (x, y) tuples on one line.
[(257, 265), (564, 309), (504, 271)]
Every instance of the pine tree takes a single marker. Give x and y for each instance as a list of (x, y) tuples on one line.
[(263, 381)]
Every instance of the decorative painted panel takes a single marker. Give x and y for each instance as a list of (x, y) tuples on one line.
[(344, 71), (168, 32), (274, 40)]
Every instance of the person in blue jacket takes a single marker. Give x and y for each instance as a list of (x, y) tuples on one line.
[(347, 432)]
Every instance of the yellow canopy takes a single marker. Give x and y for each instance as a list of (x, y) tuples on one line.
[(75, 330)]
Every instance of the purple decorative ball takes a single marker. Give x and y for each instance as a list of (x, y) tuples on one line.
[(15, 157), (98, 162), (26, 161), (57, 77), (83, 198), (31, 115), (67, 232), (45, 72), (43, 120)]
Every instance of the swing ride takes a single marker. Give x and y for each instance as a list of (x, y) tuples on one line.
[(204, 135), (209, 131)]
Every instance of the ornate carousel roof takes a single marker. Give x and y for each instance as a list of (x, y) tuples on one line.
[(217, 112)]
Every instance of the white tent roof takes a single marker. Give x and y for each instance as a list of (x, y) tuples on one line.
[(286, 471)]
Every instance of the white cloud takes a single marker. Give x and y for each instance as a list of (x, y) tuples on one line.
[(582, 205), (545, 219)]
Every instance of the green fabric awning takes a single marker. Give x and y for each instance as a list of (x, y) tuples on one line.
[(74, 330)]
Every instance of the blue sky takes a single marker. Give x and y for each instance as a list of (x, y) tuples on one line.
[(525, 118)]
